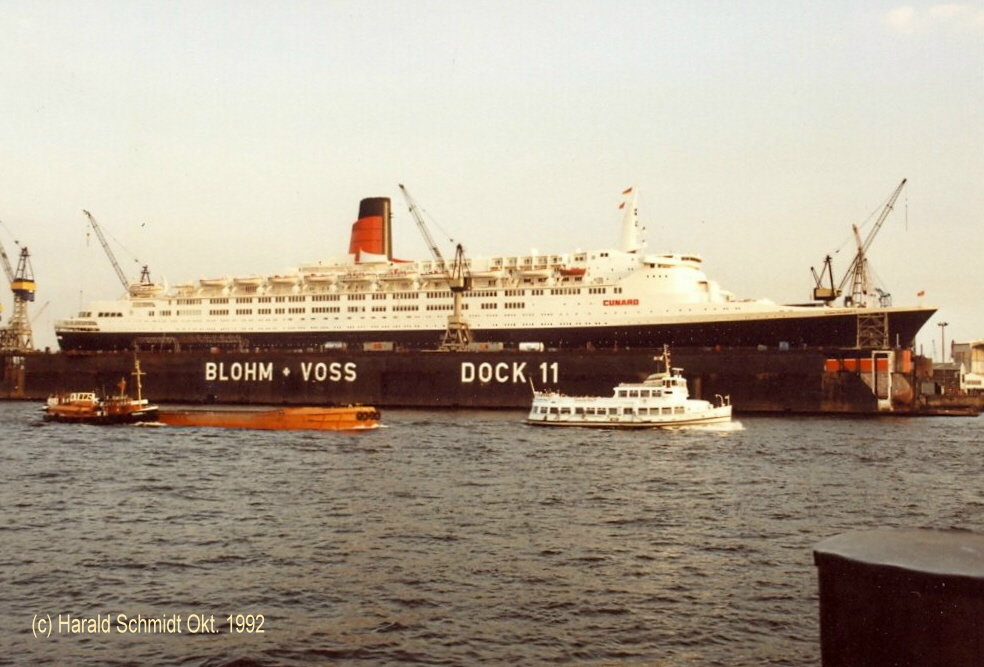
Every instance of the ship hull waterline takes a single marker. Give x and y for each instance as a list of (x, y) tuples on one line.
[(824, 328)]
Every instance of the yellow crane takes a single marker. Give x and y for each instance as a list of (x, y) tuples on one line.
[(17, 335)]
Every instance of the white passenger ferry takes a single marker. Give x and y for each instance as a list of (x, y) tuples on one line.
[(605, 298), (660, 401)]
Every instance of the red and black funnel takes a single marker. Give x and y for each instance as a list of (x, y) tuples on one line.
[(371, 233)]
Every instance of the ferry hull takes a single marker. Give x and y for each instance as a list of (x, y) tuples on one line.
[(719, 415)]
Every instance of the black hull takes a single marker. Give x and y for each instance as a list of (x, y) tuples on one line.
[(826, 328), (104, 420)]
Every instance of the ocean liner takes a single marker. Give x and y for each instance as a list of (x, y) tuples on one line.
[(616, 298)]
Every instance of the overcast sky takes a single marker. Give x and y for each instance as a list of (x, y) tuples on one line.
[(237, 138)]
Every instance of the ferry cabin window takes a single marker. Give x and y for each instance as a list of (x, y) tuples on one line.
[(579, 411), (678, 409), (553, 411), (634, 394), (613, 411)]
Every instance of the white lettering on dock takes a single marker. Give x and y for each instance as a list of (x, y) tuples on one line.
[(335, 371), (237, 371), (262, 371), (486, 372)]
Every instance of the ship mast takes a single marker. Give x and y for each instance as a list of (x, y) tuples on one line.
[(458, 335)]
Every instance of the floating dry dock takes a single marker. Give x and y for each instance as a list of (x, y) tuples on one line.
[(758, 380)]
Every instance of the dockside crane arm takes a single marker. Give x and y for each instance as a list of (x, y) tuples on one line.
[(109, 251), (419, 218), (857, 272), (7, 268), (458, 333)]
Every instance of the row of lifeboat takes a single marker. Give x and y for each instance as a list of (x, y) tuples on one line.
[(416, 278)]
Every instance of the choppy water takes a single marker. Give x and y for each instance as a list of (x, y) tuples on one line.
[(453, 537)]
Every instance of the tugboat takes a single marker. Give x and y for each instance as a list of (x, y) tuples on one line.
[(660, 401), (87, 407)]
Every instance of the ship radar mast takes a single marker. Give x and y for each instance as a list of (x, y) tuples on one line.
[(632, 237), (458, 335)]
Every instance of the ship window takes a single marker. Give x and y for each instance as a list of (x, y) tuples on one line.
[(553, 411), (613, 411), (678, 409), (634, 394), (579, 411), (565, 411)]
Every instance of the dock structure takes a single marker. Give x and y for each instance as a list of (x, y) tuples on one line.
[(758, 380), (891, 597)]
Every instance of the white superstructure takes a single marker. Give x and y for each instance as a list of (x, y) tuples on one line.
[(607, 297)]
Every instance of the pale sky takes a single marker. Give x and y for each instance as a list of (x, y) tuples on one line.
[(237, 138)]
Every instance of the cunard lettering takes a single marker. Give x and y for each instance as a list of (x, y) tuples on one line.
[(620, 302), (333, 372), (239, 371)]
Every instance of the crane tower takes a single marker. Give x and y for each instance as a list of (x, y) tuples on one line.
[(17, 335)]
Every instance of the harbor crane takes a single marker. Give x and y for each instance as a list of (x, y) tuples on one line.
[(109, 251), (144, 281), (458, 334), (17, 336), (857, 273)]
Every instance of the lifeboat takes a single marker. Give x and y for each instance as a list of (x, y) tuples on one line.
[(573, 271), (536, 272), (489, 273), (398, 275), (213, 282), (350, 418), (283, 280), (321, 278), (249, 281), (146, 290)]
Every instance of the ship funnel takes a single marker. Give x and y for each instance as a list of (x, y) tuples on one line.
[(371, 233)]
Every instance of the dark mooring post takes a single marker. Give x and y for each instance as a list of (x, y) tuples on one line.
[(901, 597)]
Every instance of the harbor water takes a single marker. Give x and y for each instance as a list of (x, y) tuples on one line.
[(450, 537)]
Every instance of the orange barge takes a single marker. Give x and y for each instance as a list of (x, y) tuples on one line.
[(352, 418)]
